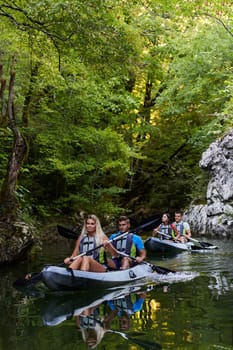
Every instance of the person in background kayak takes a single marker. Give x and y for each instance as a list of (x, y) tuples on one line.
[(166, 230), (182, 227), (130, 244), (91, 236)]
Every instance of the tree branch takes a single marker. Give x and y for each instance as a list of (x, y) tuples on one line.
[(34, 24), (220, 21)]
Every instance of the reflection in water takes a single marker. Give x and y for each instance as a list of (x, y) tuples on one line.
[(219, 283), (95, 318), (188, 311)]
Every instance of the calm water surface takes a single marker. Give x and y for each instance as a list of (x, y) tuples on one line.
[(192, 309)]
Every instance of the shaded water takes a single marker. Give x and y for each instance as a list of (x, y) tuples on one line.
[(192, 309)]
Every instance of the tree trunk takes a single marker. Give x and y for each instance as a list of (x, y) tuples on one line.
[(8, 198)]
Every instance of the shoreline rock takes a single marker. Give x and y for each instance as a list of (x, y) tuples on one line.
[(215, 217), (16, 241)]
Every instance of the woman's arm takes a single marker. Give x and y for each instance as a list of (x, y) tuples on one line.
[(155, 231), (109, 247), (75, 252)]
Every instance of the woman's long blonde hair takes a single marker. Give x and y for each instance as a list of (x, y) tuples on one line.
[(99, 332), (99, 235)]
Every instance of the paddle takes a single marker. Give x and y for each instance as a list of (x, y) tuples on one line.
[(143, 343), (68, 233), (35, 277), (198, 244), (88, 252), (203, 245), (159, 269), (164, 234)]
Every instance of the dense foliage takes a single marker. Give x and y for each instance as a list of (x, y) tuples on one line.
[(116, 101)]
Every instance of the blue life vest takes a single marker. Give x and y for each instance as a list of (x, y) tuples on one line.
[(124, 305)]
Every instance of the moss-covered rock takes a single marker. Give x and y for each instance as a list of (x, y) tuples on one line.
[(16, 240)]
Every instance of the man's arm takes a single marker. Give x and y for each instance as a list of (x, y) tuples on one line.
[(141, 255), (187, 230), (177, 234), (141, 251)]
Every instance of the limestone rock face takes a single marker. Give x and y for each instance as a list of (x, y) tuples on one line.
[(216, 216), (16, 241)]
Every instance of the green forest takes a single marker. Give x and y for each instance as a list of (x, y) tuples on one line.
[(106, 106)]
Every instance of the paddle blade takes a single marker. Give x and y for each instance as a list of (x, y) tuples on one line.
[(162, 270), (28, 280), (207, 245), (146, 344), (66, 232)]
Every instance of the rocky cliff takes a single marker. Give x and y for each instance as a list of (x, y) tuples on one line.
[(216, 216)]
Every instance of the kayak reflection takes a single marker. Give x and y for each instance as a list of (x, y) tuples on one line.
[(93, 318)]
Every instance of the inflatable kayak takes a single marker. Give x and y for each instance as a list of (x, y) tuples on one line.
[(61, 307), (158, 245), (63, 279), (154, 244)]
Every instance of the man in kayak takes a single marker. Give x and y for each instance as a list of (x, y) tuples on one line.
[(182, 227), (125, 307), (130, 245)]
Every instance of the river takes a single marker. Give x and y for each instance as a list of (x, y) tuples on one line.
[(192, 309)]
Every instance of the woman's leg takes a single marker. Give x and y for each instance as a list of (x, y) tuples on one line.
[(183, 239), (89, 264), (126, 263), (75, 265)]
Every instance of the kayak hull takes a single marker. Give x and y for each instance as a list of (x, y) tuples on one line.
[(157, 245), (64, 279), (57, 308)]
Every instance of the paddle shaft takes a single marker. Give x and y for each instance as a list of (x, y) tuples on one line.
[(189, 238), (68, 233), (163, 234), (158, 269), (99, 246), (143, 343)]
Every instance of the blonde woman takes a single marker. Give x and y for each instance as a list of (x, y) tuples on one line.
[(91, 237)]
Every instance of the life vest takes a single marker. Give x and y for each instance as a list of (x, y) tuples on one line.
[(125, 305), (180, 227), (89, 321), (166, 229), (125, 244), (88, 243)]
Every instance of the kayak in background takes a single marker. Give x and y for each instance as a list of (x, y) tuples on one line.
[(158, 245)]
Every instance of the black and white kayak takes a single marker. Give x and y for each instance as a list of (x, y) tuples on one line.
[(57, 308), (154, 244), (158, 245), (62, 279)]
